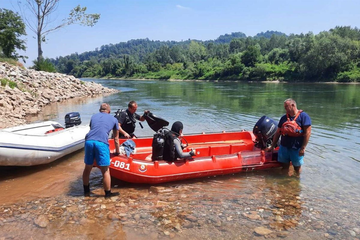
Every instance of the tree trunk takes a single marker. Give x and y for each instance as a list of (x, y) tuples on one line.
[(39, 29)]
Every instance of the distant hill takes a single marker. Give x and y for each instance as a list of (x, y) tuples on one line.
[(228, 37), (268, 34), (139, 48)]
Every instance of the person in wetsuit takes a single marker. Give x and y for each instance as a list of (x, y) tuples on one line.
[(173, 148), (127, 120)]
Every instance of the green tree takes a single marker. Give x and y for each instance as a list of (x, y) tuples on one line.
[(251, 56), (11, 29), (197, 51), (236, 46), (43, 9)]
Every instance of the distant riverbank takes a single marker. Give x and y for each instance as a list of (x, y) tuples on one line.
[(25, 92)]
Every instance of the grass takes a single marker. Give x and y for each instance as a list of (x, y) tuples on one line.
[(5, 82)]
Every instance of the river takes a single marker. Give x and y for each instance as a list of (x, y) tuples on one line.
[(46, 201)]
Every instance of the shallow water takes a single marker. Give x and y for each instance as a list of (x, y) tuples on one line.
[(46, 201)]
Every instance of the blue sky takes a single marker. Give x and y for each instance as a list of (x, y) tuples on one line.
[(123, 20)]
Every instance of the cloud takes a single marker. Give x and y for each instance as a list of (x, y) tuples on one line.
[(182, 7)]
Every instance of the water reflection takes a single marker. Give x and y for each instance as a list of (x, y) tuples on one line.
[(322, 203)]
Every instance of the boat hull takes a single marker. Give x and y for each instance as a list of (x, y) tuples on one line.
[(217, 154), (28, 145)]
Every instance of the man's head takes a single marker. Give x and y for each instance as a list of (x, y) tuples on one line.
[(132, 107), (105, 108), (290, 106)]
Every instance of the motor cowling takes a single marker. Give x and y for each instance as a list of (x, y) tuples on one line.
[(264, 131), (72, 119)]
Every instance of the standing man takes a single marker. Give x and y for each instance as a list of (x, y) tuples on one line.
[(97, 147), (127, 120), (295, 130)]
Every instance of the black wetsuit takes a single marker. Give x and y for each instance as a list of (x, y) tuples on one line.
[(127, 121)]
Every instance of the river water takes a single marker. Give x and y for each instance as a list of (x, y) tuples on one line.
[(323, 203)]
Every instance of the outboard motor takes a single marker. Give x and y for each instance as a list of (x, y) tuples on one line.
[(72, 119), (264, 131)]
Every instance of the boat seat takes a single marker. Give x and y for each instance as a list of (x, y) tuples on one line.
[(222, 149)]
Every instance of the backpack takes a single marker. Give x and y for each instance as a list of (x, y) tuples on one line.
[(292, 128), (163, 145)]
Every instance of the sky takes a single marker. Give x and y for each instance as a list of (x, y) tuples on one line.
[(123, 20)]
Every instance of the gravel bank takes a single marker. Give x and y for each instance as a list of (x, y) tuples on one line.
[(25, 92)]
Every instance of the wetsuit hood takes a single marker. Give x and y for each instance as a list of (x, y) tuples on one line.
[(176, 127)]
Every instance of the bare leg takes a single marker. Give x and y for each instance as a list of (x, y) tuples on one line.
[(86, 174), (298, 170), (285, 167), (106, 178)]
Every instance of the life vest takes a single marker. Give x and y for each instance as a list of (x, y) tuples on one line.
[(129, 124), (291, 127)]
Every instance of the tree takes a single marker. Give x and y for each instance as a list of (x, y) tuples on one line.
[(11, 28), (43, 9), (251, 56)]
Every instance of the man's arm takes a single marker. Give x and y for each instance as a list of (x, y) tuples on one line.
[(116, 141), (122, 131), (307, 134), (275, 140), (179, 150), (142, 118)]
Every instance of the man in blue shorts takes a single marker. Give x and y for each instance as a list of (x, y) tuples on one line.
[(97, 147), (295, 130)]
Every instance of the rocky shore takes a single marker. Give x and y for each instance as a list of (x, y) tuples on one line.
[(25, 92)]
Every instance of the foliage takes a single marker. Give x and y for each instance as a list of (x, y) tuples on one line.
[(11, 29), (44, 65), (328, 56), (352, 75), (269, 34), (227, 38)]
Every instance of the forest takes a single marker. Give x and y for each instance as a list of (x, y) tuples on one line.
[(332, 55)]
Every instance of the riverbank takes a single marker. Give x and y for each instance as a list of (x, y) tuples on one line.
[(25, 92)]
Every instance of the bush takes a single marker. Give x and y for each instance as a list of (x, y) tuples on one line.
[(349, 76), (3, 82), (44, 65)]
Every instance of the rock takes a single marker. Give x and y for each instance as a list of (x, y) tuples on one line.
[(262, 231), (112, 216), (42, 221), (252, 215), (191, 218), (161, 204), (36, 89), (282, 234), (157, 189), (352, 233)]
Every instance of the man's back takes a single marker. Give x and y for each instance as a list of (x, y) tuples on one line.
[(100, 126)]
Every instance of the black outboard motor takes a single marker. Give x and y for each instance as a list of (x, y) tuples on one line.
[(72, 119), (264, 131)]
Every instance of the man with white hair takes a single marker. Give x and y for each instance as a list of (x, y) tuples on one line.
[(295, 130)]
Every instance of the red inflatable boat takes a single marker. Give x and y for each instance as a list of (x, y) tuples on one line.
[(216, 154)]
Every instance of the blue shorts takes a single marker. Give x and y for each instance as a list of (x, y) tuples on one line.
[(97, 150), (285, 155)]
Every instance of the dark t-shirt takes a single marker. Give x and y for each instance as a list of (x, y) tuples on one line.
[(128, 120), (294, 142)]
